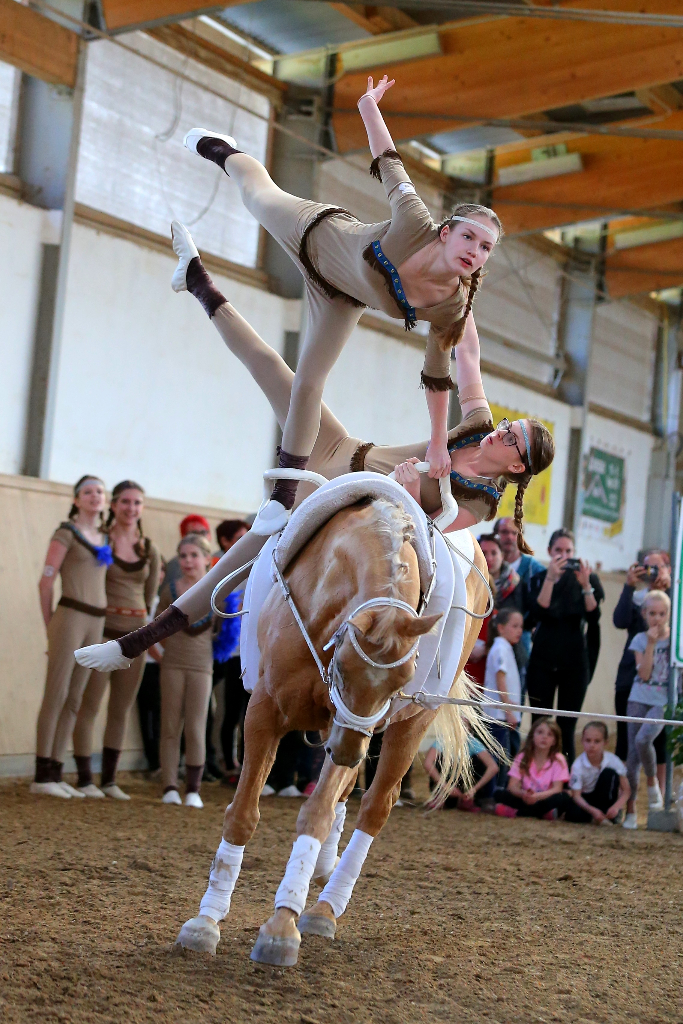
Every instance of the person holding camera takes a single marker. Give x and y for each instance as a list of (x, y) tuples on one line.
[(652, 571), (565, 602)]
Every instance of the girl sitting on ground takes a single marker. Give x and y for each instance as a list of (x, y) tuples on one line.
[(484, 770), (648, 699), (537, 776), (598, 780), (186, 681)]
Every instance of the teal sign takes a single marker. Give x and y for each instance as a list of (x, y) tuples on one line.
[(603, 486)]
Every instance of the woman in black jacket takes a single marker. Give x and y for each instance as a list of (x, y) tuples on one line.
[(565, 602)]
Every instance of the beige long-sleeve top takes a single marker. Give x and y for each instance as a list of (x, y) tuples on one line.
[(192, 648), (83, 577), (131, 586), (336, 246)]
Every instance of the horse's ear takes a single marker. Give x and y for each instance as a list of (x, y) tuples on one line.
[(364, 621), (417, 627)]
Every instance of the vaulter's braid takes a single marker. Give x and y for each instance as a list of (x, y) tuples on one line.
[(459, 326), (519, 516)]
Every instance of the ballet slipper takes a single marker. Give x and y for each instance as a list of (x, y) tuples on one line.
[(195, 135), (185, 250), (107, 657), (272, 518)]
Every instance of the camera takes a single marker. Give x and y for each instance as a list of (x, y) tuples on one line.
[(651, 572), (573, 564)]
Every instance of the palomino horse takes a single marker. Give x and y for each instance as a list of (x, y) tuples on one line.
[(362, 553)]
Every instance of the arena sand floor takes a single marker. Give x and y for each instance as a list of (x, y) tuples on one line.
[(456, 918)]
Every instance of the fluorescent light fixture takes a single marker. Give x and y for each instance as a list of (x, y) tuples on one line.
[(535, 170), (645, 236)]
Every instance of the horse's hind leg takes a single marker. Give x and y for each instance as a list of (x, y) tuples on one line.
[(279, 938), (262, 733)]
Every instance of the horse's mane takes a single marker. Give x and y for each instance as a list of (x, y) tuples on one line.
[(394, 524)]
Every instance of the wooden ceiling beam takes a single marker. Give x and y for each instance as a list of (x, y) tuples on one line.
[(644, 269), (36, 45), (376, 19), (512, 67), (131, 14), (618, 175)]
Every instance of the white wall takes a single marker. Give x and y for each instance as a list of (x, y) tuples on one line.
[(20, 242), (146, 387)]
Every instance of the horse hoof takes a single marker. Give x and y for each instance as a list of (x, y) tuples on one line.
[(317, 924), (201, 934), (271, 949)]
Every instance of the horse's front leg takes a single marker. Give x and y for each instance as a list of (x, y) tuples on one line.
[(400, 744), (279, 938), (262, 733)]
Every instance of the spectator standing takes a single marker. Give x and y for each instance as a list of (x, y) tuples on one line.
[(648, 699), (501, 682), (78, 552), (537, 776), (598, 780), (565, 601), (628, 615), (195, 524), (525, 566), (131, 584), (186, 681), (226, 664)]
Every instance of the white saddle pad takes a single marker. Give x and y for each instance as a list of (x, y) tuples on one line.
[(433, 674)]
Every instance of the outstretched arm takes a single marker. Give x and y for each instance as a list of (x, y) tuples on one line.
[(468, 369), (378, 134)]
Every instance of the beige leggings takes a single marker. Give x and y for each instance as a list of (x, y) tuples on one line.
[(331, 453), (124, 686), (66, 680), (330, 321), (185, 696)]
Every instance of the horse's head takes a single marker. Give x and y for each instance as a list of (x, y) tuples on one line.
[(385, 635)]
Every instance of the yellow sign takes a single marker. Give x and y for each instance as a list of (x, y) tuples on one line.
[(537, 496)]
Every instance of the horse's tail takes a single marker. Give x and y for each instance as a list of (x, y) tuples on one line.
[(451, 725)]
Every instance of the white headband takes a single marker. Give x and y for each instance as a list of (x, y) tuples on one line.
[(478, 224)]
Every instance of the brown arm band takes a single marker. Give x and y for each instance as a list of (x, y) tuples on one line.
[(436, 383), (171, 621)]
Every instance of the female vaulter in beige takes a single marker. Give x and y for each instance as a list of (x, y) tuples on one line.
[(131, 585), (482, 460), (78, 552)]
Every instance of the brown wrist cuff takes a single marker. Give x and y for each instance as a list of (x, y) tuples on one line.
[(436, 383), (171, 621)]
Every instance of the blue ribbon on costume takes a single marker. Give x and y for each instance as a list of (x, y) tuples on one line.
[(103, 554), (463, 480), (225, 644), (396, 284)]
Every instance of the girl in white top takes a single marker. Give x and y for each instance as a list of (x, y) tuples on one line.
[(502, 682)]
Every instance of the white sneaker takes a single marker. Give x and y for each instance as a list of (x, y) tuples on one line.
[(631, 820), (655, 800), (290, 791), (114, 792), (185, 250), (172, 797), (92, 791), (272, 518), (267, 790), (71, 790), (195, 134), (107, 657), (193, 800), (49, 789)]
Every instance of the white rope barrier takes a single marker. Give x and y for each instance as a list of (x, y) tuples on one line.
[(423, 699)]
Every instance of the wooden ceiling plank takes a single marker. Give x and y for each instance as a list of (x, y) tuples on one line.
[(122, 14), (512, 67), (34, 44)]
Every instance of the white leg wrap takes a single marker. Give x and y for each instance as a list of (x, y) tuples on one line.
[(293, 888), (328, 851), (224, 872), (338, 890)]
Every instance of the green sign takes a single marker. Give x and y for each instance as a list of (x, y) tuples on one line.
[(603, 486)]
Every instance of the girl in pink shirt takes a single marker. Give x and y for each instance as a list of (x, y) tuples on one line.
[(537, 776)]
